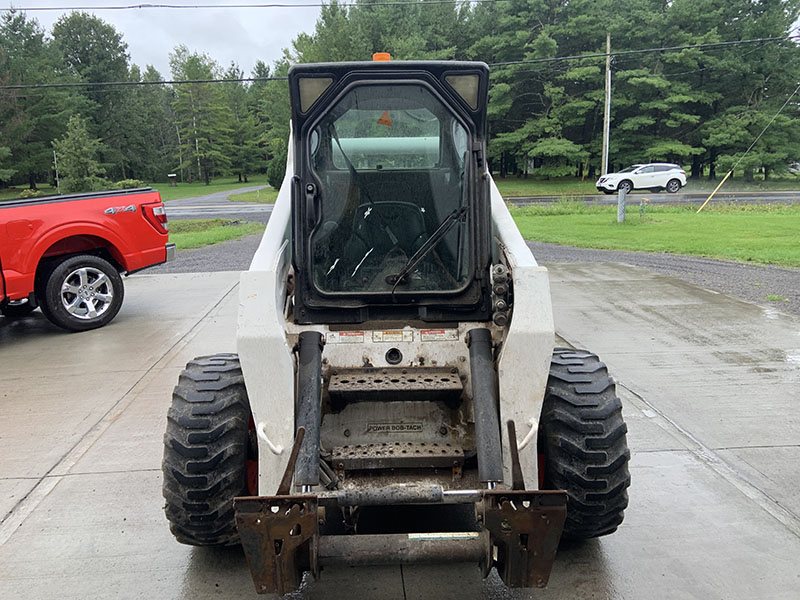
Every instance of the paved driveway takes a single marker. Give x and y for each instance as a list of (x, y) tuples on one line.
[(710, 392)]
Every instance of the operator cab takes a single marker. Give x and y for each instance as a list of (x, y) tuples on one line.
[(390, 205)]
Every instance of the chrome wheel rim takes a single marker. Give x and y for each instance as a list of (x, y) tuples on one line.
[(87, 293)]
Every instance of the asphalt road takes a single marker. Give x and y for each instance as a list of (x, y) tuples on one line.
[(217, 205)]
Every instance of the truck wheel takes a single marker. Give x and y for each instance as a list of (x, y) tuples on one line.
[(583, 442), (208, 451), (81, 292), (17, 310)]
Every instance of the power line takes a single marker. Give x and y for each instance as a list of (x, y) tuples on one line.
[(132, 83), (641, 51), (270, 5), (775, 116), (498, 64), (755, 141)]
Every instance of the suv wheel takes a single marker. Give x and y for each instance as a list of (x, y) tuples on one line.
[(625, 186), (673, 185)]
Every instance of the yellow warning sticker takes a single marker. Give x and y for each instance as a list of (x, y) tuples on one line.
[(393, 335)]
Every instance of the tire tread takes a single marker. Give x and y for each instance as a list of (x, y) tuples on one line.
[(583, 435), (205, 449)]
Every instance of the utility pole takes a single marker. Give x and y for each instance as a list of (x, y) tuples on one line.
[(607, 111), (55, 164)]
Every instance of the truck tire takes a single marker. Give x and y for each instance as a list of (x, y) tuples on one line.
[(208, 449), (17, 310), (583, 444), (80, 292)]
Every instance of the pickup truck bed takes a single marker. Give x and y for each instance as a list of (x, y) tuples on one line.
[(65, 254)]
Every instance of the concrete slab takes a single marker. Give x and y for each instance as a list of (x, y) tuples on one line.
[(12, 491), (726, 370), (706, 520), (775, 470)]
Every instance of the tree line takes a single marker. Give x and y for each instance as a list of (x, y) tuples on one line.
[(698, 107)]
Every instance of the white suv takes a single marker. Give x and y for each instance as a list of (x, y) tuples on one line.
[(650, 176)]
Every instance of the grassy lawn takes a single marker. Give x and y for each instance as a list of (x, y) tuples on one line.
[(758, 233), (570, 186), (188, 190), (182, 190), (262, 196), (206, 232), (13, 193)]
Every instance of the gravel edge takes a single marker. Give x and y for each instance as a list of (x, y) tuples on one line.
[(752, 283)]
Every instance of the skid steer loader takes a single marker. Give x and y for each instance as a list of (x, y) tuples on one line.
[(396, 397)]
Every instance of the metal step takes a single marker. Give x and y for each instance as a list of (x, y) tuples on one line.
[(397, 455), (409, 384)]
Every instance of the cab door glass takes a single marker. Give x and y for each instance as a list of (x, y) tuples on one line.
[(390, 162)]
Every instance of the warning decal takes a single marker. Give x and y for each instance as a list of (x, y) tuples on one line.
[(385, 119), (345, 337), (438, 335), (395, 335)]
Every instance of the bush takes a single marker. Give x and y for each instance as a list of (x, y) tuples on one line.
[(277, 169), (128, 184), (30, 194)]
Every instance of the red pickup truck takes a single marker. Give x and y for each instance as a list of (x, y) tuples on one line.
[(66, 254)]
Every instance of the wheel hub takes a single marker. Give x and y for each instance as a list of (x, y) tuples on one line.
[(86, 293)]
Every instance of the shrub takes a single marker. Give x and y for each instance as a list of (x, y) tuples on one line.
[(31, 194), (128, 184)]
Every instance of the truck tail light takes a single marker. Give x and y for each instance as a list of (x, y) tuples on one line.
[(157, 215)]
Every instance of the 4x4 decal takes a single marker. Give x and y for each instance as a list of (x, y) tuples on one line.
[(120, 209)]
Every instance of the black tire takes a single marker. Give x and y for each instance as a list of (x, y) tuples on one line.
[(582, 437), (673, 186), (17, 310), (98, 287), (626, 185), (206, 450)]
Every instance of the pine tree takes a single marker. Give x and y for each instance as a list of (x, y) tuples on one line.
[(202, 117), (77, 152)]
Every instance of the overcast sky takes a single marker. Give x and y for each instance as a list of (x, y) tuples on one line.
[(242, 35)]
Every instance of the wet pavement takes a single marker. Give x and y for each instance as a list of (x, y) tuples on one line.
[(218, 206), (710, 392)]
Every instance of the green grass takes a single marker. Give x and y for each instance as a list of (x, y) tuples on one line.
[(262, 196), (206, 232), (13, 193), (182, 190), (571, 186), (758, 233), (775, 298), (189, 190), (564, 186)]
